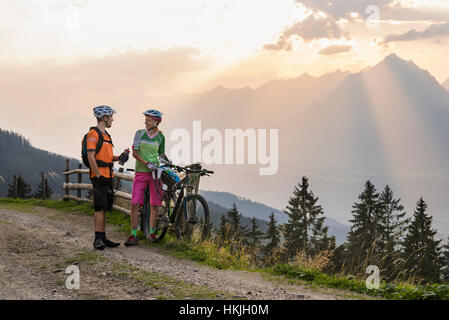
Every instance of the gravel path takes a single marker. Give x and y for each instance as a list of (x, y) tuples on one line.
[(33, 243)]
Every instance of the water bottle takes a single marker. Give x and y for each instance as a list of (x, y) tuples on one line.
[(126, 154)]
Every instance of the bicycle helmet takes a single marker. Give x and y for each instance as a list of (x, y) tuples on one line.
[(154, 113), (101, 111)]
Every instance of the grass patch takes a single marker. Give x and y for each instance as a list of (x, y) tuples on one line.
[(116, 218), (206, 252), (175, 289), (209, 253), (399, 291), (85, 256)]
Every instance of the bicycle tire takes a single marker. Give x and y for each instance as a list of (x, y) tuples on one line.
[(197, 225), (162, 221)]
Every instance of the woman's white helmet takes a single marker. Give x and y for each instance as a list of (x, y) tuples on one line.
[(101, 111)]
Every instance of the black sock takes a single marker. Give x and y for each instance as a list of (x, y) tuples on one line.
[(100, 235)]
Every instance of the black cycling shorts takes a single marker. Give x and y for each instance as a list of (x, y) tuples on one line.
[(103, 194)]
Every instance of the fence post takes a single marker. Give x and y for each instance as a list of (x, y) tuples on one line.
[(117, 182), (80, 178), (67, 177), (44, 191)]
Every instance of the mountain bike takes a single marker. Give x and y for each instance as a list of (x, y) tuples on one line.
[(183, 209)]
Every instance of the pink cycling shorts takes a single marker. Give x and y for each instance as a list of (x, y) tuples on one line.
[(141, 181)]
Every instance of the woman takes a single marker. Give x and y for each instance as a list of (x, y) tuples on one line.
[(148, 145)]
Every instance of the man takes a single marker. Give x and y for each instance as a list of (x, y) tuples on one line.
[(101, 173), (148, 145)]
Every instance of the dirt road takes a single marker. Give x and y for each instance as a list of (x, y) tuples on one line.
[(38, 244)]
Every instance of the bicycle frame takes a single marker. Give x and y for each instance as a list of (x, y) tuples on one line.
[(185, 182)]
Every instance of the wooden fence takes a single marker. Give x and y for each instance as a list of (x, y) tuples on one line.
[(79, 186), (118, 176)]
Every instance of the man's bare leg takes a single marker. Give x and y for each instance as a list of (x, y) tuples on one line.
[(100, 221)]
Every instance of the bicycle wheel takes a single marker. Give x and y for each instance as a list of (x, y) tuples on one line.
[(192, 220), (163, 219)]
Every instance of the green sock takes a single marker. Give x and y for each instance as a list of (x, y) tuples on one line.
[(152, 230), (134, 232)]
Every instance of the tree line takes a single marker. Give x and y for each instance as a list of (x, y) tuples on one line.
[(381, 234), (23, 190)]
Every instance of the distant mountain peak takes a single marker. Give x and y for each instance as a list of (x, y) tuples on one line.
[(406, 69), (394, 59), (445, 84), (393, 56)]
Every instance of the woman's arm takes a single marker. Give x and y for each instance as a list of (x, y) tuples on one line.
[(136, 155)]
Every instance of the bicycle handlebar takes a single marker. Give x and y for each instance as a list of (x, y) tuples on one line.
[(187, 170), (179, 168)]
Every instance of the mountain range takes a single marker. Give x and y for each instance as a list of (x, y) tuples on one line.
[(387, 123), (19, 157), (249, 209)]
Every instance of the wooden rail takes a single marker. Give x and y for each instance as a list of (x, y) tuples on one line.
[(118, 176), (70, 197), (79, 186)]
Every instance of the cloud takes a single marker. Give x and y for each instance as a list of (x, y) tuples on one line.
[(435, 30), (53, 89), (335, 49), (343, 9), (312, 28), (388, 9)]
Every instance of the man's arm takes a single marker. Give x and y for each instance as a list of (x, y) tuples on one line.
[(93, 163)]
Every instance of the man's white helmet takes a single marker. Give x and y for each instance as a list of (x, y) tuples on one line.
[(101, 111)]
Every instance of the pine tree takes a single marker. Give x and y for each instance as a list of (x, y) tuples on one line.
[(304, 230), (40, 190), (339, 258), (273, 235), (254, 235), (223, 231), (366, 230), (445, 262), (236, 230), (394, 226), (421, 251), (23, 189)]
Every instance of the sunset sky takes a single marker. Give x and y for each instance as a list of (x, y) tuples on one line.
[(63, 57), (230, 42)]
